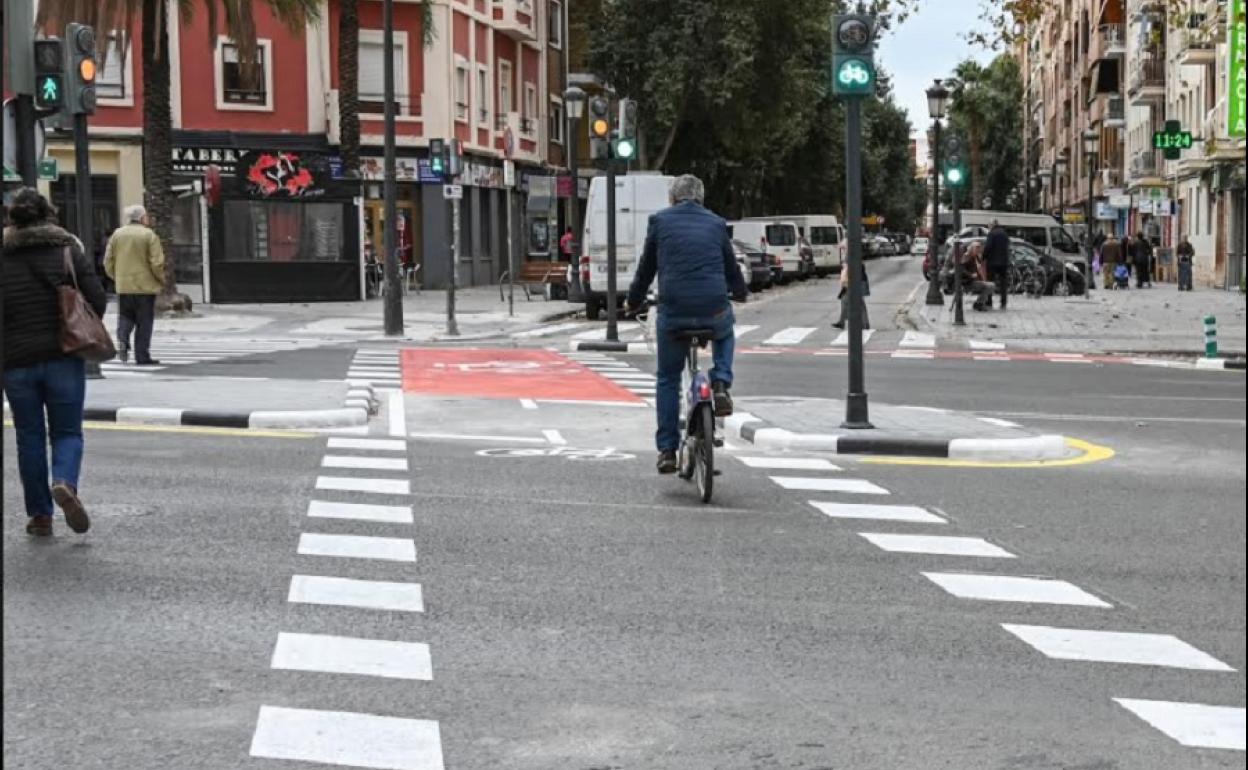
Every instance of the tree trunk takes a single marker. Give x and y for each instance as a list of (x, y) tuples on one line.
[(158, 145), (348, 86), (977, 183)]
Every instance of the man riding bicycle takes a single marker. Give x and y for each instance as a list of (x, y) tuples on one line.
[(689, 248)]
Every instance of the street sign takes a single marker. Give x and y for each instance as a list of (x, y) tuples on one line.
[(1172, 139), (48, 170), (452, 192), (1236, 37)]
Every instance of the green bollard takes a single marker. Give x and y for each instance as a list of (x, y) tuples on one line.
[(1211, 337)]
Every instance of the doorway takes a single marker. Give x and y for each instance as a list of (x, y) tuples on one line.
[(408, 231)]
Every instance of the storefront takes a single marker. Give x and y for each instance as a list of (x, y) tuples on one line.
[(284, 230)]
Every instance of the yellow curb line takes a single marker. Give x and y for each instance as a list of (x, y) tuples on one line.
[(202, 430), (1091, 453)]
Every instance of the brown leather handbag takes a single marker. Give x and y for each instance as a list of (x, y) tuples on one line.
[(82, 332)]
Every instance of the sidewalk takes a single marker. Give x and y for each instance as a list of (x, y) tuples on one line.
[(1160, 320), (479, 313), (815, 424)]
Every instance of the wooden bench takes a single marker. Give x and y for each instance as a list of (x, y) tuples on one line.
[(551, 276)]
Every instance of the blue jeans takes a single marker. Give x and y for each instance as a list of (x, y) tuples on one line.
[(59, 387), (672, 354)]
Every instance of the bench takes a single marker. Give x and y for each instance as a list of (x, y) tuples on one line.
[(552, 277)]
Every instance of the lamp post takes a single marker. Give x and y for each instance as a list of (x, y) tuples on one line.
[(937, 101), (1091, 147), (574, 104)]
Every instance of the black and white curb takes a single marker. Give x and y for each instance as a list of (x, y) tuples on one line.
[(747, 427), (1221, 363), (607, 346), (359, 404)]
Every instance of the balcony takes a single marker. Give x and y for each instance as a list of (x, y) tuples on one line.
[(1115, 111), (1146, 168), (1197, 49), (1111, 41), (516, 19), (1147, 84)]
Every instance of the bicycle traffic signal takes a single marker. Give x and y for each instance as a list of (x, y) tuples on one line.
[(50, 74), (437, 156), (80, 89), (853, 60)]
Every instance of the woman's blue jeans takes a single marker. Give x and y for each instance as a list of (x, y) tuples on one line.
[(57, 388)]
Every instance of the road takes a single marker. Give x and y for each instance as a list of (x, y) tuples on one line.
[(583, 613)]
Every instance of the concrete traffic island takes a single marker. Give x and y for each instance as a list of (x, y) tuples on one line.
[(814, 424)]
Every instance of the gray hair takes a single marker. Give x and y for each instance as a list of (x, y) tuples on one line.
[(687, 187), (134, 214)]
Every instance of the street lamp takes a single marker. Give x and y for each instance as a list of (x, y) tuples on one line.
[(1091, 147), (1060, 165), (574, 105), (937, 101)]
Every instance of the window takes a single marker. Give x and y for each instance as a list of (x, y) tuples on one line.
[(371, 81), (781, 235), (241, 84), (556, 24), (527, 124), (284, 231), (505, 104), (461, 92), (483, 95), (110, 83), (556, 122), (821, 236)]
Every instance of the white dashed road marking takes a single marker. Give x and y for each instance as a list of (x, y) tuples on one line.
[(937, 545), (349, 655), (910, 513), (357, 547), (372, 444), (1192, 724), (352, 484), (347, 592), (852, 486), (842, 339), (913, 339), (790, 336), (1007, 588), (790, 463), (347, 739), (368, 463), (1116, 647), (390, 514)]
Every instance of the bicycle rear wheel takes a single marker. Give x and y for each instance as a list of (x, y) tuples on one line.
[(704, 452)]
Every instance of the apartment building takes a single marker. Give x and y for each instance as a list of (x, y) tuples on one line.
[(492, 77), (1121, 69)]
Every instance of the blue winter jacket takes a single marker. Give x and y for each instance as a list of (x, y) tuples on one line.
[(688, 247)]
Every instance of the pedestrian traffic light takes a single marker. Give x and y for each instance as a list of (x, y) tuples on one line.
[(454, 157), (80, 90), (625, 147), (437, 156), (599, 128), (955, 164), (853, 63), (50, 74)]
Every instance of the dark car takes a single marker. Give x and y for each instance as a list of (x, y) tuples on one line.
[(761, 275), (878, 246)]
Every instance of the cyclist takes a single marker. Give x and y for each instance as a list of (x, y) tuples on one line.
[(689, 249)]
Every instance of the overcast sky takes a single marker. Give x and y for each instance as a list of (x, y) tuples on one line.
[(926, 46)]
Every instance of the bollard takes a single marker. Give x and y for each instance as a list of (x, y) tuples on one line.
[(1211, 337)]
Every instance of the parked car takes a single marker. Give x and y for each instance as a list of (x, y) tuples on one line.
[(901, 241), (757, 270), (919, 247), (776, 237), (878, 246)]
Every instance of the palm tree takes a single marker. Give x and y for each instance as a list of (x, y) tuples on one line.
[(157, 111), (971, 104), (349, 74)]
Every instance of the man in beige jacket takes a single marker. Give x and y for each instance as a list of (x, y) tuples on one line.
[(136, 263)]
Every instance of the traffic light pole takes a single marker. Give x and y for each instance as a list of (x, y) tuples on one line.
[(959, 318), (613, 329), (452, 326), (86, 218), (393, 304), (934, 297), (27, 163), (856, 399)]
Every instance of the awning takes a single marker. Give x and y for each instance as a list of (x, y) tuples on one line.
[(1112, 12)]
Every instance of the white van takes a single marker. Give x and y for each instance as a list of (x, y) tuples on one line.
[(637, 196), (777, 237), (826, 237), (1040, 230)]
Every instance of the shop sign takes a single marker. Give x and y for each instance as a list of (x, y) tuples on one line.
[(1145, 206), (1235, 69), (481, 175), (196, 160), (284, 174), (1105, 210), (1120, 201), (564, 182)]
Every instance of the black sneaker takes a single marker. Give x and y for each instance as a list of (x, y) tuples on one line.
[(123, 353), (667, 462), (148, 362), (722, 401)]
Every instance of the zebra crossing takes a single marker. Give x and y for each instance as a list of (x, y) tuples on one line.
[(379, 367), (1192, 725), (623, 374), (186, 352)]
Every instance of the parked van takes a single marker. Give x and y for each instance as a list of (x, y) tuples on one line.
[(779, 238), (1040, 230), (637, 196), (823, 233)]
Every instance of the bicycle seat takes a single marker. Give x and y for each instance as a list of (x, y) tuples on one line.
[(689, 335)]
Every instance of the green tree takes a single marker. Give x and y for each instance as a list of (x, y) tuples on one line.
[(985, 111), (239, 24)]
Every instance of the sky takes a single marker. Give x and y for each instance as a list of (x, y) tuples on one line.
[(926, 46)]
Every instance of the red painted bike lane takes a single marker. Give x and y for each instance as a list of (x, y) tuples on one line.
[(494, 373)]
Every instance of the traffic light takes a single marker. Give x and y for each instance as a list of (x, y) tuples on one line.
[(955, 164), (80, 88), (437, 156), (50, 74), (599, 128), (853, 64), (625, 145), (454, 157)]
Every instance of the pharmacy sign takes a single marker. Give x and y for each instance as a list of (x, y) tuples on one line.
[(1235, 70)]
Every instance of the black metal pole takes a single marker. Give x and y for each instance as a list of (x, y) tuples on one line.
[(856, 416), (27, 163), (1061, 221), (82, 190), (393, 307), (613, 329), (452, 326), (574, 214), (959, 318), (934, 296), (1090, 283)]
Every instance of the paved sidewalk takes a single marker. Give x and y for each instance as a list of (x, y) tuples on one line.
[(1159, 320), (479, 312)]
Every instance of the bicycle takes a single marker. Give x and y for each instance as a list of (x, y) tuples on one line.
[(696, 456)]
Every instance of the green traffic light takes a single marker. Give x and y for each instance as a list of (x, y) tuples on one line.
[(49, 89), (855, 75), (625, 149), (954, 176)]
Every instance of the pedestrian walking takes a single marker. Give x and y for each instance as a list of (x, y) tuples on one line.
[(46, 387), (565, 244), (844, 297), (1142, 258), (136, 263), (1186, 254), (997, 260), (1111, 258)]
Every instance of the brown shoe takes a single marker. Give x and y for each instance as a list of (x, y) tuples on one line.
[(39, 526), (75, 515)]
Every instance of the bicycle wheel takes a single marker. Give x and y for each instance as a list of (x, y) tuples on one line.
[(704, 452)]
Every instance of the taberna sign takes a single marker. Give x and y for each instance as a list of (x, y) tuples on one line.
[(196, 160)]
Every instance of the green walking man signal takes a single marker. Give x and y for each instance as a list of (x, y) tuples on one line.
[(50, 74)]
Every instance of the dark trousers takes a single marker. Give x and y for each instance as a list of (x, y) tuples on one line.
[(672, 354), (136, 313), (1185, 276), (1142, 275), (1000, 275)]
